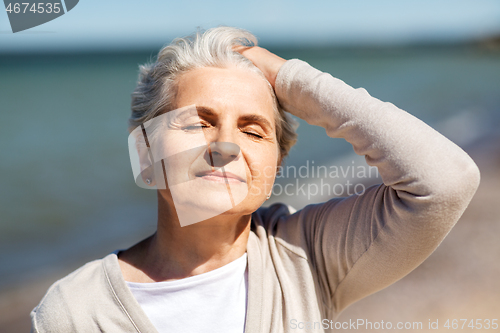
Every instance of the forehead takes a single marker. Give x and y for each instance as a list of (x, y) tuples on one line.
[(232, 91)]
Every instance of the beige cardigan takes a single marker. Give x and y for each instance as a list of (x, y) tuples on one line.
[(310, 265)]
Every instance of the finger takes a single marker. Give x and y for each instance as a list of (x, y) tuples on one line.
[(241, 48)]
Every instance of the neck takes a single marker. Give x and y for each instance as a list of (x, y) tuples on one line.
[(176, 252)]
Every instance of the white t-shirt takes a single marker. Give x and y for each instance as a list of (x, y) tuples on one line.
[(210, 302)]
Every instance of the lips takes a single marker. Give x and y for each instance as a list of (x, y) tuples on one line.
[(221, 176)]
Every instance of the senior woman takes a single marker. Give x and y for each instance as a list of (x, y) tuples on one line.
[(210, 113)]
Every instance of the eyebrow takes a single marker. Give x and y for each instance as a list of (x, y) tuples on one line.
[(251, 118), (206, 111)]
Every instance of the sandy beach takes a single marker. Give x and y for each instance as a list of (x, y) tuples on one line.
[(459, 280)]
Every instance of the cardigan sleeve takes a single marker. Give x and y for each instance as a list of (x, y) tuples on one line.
[(360, 244)]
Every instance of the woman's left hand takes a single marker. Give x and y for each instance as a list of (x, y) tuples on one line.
[(268, 62)]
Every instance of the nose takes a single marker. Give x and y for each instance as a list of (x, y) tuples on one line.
[(222, 153)]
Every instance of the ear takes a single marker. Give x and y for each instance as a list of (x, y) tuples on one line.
[(146, 165), (140, 158), (152, 172)]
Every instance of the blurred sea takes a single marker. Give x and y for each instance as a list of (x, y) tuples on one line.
[(67, 189)]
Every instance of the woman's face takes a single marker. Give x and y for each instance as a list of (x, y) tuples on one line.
[(222, 144)]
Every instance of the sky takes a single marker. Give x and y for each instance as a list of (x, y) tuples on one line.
[(126, 24)]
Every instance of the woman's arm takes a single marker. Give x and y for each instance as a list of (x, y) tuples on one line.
[(363, 243)]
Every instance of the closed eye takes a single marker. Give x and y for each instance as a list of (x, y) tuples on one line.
[(253, 134), (194, 127)]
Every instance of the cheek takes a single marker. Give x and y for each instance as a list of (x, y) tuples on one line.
[(179, 167), (263, 163), (174, 143), (178, 151)]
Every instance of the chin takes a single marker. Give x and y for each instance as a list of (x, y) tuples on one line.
[(199, 200)]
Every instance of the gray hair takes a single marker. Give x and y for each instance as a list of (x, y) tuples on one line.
[(156, 88)]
